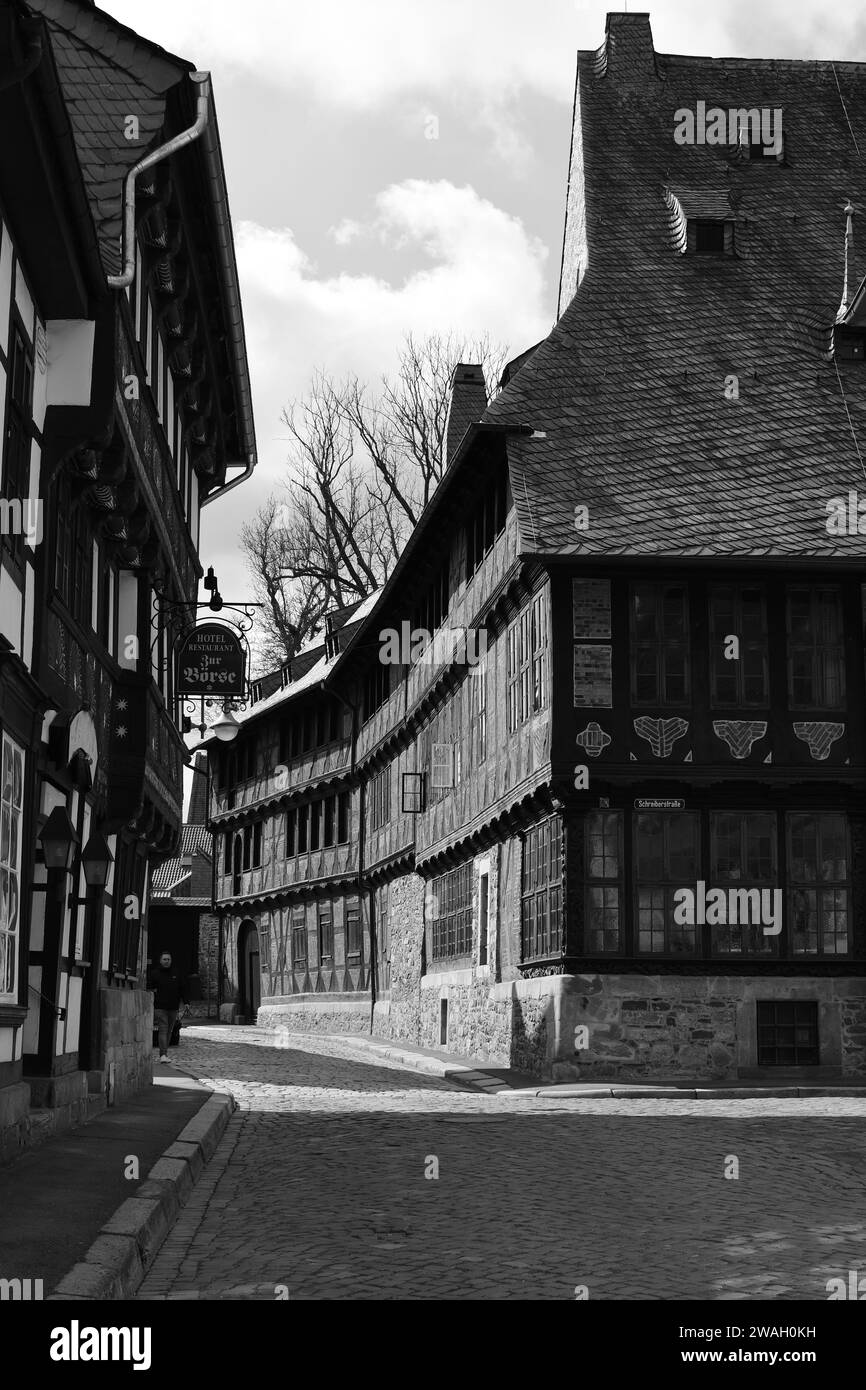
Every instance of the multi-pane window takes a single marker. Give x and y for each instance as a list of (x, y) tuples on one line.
[(299, 938), (326, 934), (11, 810), (228, 839), (603, 892), (818, 885), (303, 828), (450, 902), (738, 673), (743, 856), (541, 895), (315, 810), (73, 572), (478, 708), (353, 927), (660, 645), (257, 845), (330, 811), (666, 858), (787, 1033), (816, 657), (377, 688), (291, 832), (16, 448), (526, 656), (343, 818), (379, 790)]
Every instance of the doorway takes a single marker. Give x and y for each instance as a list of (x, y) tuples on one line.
[(250, 971)]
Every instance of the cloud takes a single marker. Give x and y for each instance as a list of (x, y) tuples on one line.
[(345, 232), (481, 272)]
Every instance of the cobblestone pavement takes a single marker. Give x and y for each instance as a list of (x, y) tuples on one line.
[(318, 1189)]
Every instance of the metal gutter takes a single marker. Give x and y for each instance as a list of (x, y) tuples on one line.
[(178, 142)]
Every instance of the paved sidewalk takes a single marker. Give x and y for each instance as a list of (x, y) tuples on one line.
[(55, 1198)]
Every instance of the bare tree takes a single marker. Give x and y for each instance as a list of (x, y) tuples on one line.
[(363, 463)]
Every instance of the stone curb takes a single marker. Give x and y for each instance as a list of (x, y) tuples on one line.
[(594, 1091), (467, 1075), (480, 1080), (127, 1245)]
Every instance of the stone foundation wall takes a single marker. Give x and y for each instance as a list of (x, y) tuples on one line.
[(127, 1040), (697, 1027), (14, 1119), (310, 1013)]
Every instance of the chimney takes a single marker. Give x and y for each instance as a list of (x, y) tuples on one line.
[(467, 405), (848, 282), (197, 814), (629, 55)]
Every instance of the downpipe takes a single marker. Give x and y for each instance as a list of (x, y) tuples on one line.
[(178, 142)]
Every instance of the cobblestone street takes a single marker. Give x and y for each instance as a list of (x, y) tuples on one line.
[(319, 1186)]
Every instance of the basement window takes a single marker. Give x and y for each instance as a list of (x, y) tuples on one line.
[(787, 1034)]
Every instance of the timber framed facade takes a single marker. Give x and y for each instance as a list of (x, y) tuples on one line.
[(124, 405), (630, 838)]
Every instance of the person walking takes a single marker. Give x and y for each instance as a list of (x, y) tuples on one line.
[(169, 992)]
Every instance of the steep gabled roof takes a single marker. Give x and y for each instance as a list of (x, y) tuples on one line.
[(629, 387)]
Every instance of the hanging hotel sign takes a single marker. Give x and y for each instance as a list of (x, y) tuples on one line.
[(659, 803), (211, 661)]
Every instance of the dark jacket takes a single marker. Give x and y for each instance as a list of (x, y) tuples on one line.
[(169, 989)]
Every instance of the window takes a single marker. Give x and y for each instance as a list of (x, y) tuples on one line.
[(478, 710), (787, 1034), (299, 938), (353, 927), (248, 842), (257, 845), (227, 852), (441, 766), (315, 824), (816, 660), (526, 654), (73, 565), (660, 645), (541, 900), (379, 792), (739, 612), (818, 885), (326, 934), (334, 727), (432, 611), (330, 808), (291, 832), (512, 688), (709, 238), (743, 853), (343, 818), (19, 426), (483, 916), (377, 688), (666, 858), (486, 524), (603, 894), (450, 901), (11, 810), (303, 826)]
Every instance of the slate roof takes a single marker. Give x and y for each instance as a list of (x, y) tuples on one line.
[(171, 874), (629, 385), (107, 73)]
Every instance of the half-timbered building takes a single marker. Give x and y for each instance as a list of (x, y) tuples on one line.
[(125, 398), (602, 732)]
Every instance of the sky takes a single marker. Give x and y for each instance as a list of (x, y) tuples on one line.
[(401, 165)]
